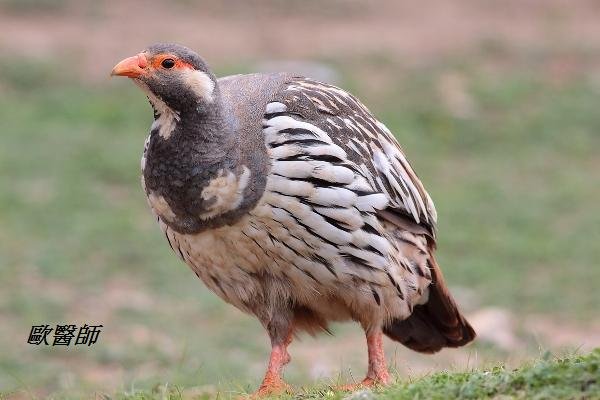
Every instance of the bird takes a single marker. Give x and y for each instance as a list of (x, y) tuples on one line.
[(293, 203)]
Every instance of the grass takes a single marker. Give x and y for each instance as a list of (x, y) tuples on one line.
[(513, 173), (574, 377)]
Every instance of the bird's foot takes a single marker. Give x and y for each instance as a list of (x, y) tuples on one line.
[(382, 379), (272, 383), (273, 387)]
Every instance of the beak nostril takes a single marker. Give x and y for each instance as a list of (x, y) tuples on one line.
[(142, 61)]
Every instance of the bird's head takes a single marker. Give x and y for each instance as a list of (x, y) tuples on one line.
[(172, 76)]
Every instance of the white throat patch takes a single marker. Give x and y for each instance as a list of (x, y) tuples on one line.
[(168, 117)]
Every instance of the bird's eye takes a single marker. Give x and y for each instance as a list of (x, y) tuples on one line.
[(168, 63)]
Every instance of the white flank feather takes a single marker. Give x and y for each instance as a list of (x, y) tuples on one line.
[(275, 107), (372, 202), (290, 188), (327, 196), (349, 217)]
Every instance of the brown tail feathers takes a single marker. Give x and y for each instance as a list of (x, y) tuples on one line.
[(435, 324)]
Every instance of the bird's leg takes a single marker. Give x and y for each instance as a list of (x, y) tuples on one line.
[(272, 382), (377, 373)]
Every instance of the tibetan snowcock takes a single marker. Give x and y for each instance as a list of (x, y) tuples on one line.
[(293, 203)]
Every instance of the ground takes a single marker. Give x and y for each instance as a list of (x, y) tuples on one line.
[(495, 107), (573, 377)]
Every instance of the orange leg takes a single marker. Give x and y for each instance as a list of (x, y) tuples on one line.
[(377, 373), (272, 382)]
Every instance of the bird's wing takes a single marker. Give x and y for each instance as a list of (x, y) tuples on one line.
[(334, 169), (368, 144)]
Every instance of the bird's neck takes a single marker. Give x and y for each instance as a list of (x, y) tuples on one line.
[(206, 128), (193, 177)]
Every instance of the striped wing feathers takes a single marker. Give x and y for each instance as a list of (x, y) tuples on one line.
[(366, 142), (334, 168)]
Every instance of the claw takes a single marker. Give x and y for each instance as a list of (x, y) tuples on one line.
[(366, 383), (272, 388)]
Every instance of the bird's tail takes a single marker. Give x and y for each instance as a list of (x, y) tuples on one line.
[(435, 324)]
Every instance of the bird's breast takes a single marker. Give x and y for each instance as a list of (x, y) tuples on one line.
[(191, 192)]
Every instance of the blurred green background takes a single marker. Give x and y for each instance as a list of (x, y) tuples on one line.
[(495, 103)]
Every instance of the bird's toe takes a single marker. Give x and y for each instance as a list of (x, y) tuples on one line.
[(270, 388), (365, 383)]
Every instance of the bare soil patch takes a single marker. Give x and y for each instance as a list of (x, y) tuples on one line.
[(96, 34)]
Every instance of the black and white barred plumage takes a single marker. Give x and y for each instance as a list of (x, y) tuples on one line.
[(343, 228), (334, 167), (293, 203), (366, 141)]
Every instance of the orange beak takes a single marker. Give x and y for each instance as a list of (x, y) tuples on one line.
[(131, 67)]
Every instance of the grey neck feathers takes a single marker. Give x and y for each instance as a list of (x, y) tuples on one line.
[(188, 163)]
